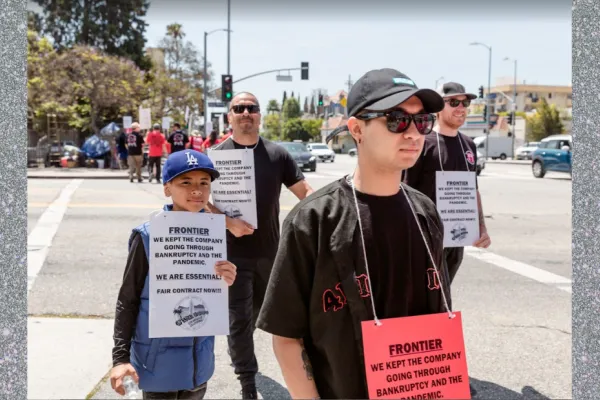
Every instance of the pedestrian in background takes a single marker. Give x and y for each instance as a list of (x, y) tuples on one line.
[(446, 149), (212, 140), (196, 141), (178, 139), (135, 151), (156, 148), (121, 142), (180, 367), (253, 251)]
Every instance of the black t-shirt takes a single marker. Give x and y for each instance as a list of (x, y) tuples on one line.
[(273, 167), (320, 264), (396, 258), (453, 158), (178, 140), (135, 144)]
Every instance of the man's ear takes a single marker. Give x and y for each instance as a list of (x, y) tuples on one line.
[(167, 190), (355, 129)]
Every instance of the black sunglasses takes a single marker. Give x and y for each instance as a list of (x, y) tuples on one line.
[(239, 109), (398, 121), (455, 102)]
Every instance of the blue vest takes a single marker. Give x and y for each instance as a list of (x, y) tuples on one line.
[(167, 364)]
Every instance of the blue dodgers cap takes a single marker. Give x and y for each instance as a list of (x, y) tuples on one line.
[(185, 161)]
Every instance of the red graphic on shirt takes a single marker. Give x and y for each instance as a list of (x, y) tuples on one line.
[(470, 157), (433, 280), (132, 140), (335, 299)]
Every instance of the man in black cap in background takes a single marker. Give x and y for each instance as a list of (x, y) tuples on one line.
[(448, 148), (353, 251)]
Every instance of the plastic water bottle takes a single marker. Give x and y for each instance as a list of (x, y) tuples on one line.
[(131, 388)]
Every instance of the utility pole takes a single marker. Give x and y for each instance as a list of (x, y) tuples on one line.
[(228, 41), (205, 77), (488, 96)]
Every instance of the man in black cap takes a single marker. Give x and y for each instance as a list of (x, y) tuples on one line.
[(356, 249), (446, 149)]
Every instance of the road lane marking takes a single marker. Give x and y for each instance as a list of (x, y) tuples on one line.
[(40, 238), (526, 270)]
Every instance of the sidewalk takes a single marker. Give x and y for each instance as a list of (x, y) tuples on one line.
[(80, 173)]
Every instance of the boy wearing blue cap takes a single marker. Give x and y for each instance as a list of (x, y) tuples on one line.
[(164, 368)]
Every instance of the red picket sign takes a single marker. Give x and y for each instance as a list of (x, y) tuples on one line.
[(421, 357)]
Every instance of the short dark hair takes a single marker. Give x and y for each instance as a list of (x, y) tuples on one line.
[(176, 125), (242, 93)]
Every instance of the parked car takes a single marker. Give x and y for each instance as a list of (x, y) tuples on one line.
[(553, 154), (480, 163), (524, 152), (497, 147), (321, 151), (301, 155), (352, 152)]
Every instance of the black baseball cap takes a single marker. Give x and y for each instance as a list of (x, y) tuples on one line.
[(384, 89), (451, 89)]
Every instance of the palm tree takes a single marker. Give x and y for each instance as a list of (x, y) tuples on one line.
[(272, 107)]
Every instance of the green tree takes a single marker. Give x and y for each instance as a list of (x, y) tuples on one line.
[(293, 129), (95, 88), (305, 105), (272, 127), (182, 83), (284, 99), (545, 122), (114, 26), (312, 111), (273, 107), (313, 128), (291, 109)]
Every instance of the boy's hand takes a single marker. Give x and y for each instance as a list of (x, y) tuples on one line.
[(118, 373), (227, 271)]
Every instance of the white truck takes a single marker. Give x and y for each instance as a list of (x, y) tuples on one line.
[(497, 146)]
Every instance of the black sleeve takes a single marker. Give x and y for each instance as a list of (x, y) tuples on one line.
[(285, 310), (186, 139), (291, 173), (412, 176), (128, 302), (170, 140)]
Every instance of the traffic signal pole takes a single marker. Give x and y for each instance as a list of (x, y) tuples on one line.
[(258, 74)]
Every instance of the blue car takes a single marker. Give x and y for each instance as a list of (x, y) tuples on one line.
[(554, 154)]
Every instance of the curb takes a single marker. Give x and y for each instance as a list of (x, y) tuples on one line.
[(80, 176), (512, 162)]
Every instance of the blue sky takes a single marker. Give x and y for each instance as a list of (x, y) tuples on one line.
[(339, 39), (426, 40)]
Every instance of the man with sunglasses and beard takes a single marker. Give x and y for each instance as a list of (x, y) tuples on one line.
[(354, 249), (254, 250), (449, 150)]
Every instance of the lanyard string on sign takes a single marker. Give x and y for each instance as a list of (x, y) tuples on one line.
[(461, 148), (364, 248)]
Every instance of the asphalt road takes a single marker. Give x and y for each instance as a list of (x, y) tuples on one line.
[(515, 299)]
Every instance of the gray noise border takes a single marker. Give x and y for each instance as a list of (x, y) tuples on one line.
[(586, 200), (13, 199)]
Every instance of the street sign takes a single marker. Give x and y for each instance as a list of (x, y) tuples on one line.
[(492, 96), (284, 78), (216, 104)]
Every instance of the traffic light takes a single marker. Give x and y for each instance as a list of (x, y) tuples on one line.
[(481, 92), (485, 113), (226, 88), (320, 100), (510, 118), (304, 71)]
